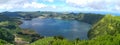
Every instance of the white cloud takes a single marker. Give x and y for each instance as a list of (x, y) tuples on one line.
[(34, 5), (49, 0), (117, 8), (3, 1), (109, 5), (13, 4), (53, 6), (95, 4), (4, 6)]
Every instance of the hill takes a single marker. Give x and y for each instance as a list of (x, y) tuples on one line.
[(108, 25)]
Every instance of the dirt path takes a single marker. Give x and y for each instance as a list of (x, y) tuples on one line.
[(19, 41)]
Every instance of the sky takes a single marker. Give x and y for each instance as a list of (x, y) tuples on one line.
[(60, 5)]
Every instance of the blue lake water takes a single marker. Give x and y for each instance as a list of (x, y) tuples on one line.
[(70, 29)]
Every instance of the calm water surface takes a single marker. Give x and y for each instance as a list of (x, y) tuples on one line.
[(70, 29)]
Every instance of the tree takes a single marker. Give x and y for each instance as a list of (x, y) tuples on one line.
[(6, 35)]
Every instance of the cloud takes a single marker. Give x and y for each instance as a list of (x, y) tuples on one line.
[(96, 4), (3, 1), (15, 1), (34, 5), (13, 4), (53, 6), (50, 0), (116, 8), (61, 5)]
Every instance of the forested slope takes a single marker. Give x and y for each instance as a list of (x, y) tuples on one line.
[(107, 25), (91, 18)]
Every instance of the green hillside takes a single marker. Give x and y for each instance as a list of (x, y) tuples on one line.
[(107, 25), (2, 42), (91, 18)]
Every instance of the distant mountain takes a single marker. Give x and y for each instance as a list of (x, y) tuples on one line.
[(99, 12), (11, 14), (102, 12)]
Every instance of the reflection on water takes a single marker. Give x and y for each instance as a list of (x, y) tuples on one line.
[(70, 29)]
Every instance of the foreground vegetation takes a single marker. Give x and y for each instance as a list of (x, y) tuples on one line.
[(100, 40), (105, 30)]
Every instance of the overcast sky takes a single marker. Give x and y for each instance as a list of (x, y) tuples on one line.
[(60, 5)]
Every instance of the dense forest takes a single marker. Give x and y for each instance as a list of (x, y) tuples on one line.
[(104, 31)]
